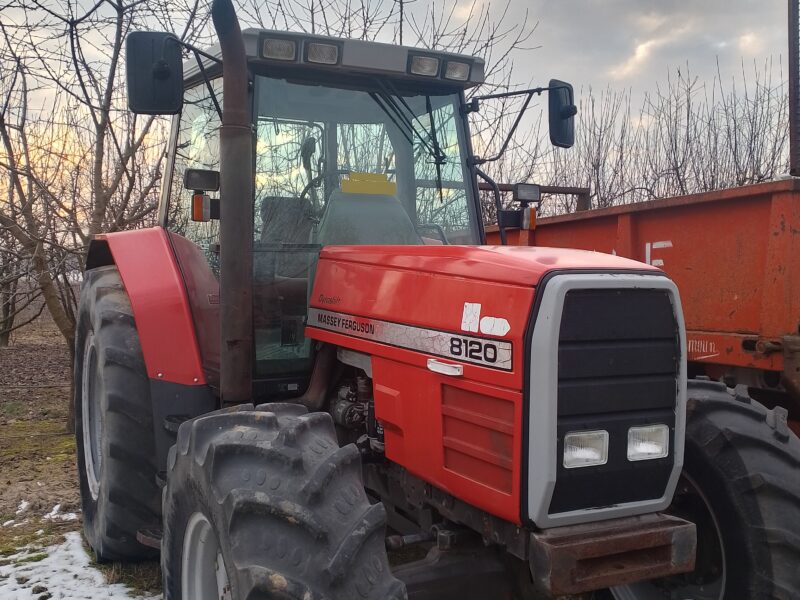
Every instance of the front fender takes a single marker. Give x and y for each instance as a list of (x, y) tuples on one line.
[(152, 278)]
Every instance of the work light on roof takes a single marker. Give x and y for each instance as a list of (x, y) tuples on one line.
[(427, 66), (457, 71), (324, 54), (280, 49)]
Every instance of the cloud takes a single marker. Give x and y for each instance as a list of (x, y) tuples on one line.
[(644, 51), (750, 43), (637, 60), (464, 10), (649, 22)]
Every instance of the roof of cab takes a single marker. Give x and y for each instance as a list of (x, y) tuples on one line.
[(356, 56)]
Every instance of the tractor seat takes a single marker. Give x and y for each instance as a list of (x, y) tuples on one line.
[(365, 219), (285, 220)]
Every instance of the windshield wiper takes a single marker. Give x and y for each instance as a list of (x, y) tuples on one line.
[(387, 99), (438, 157)]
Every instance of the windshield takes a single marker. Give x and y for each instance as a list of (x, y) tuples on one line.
[(360, 166), (337, 165)]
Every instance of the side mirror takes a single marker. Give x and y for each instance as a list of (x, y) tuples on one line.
[(201, 180), (562, 111), (155, 73)]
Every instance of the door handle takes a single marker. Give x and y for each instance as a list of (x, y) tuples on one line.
[(444, 368)]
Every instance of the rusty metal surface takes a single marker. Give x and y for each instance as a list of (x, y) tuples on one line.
[(743, 350), (570, 560), (747, 191), (794, 87), (791, 376)]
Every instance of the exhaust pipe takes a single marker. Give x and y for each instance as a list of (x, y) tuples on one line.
[(236, 212)]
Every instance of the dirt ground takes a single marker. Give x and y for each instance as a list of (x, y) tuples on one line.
[(37, 455), (39, 498)]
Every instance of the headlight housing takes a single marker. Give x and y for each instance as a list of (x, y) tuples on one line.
[(585, 449), (648, 443)]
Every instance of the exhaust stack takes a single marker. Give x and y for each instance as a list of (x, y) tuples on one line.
[(236, 192)]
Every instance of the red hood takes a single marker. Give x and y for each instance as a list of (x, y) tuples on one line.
[(503, 264)]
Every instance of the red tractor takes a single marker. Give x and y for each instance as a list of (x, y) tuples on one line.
[(275, 386)]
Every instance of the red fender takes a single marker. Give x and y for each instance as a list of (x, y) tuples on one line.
[(152, 278)]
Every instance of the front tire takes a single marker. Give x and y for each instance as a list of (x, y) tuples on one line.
[(279, 506), (113, 422), (742, 489)]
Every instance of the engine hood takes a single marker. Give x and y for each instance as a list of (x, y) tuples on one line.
[(513, 265)]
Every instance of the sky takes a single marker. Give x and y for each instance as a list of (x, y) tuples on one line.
[(632, 44)]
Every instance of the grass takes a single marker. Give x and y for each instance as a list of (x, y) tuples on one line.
[(140, 577), (34, 441), (39, 450), (14, 409), (143, 577)]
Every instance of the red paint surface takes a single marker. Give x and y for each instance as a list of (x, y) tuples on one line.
[(202, 289), (462, 434), (160, 305), (499, 264)]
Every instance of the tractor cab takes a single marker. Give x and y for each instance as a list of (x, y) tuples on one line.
[(353, 143)]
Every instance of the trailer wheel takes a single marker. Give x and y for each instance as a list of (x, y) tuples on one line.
[(113, 422), (741, 488), (263, 503)]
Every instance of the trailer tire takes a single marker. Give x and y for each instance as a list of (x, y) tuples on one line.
[(744, 461), (113, 422), (751, 459), (282, 505)]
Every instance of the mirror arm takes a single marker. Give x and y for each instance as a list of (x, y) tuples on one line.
[(204, 73), (538, 91), (497, 203), (504, 147), (197, 51)]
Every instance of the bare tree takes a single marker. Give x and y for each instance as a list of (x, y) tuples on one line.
[(687, 136)]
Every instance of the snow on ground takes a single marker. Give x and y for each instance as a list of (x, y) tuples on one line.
[(57, 515), (64, 573)]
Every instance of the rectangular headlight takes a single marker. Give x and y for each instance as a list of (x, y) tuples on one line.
[(585, 449), (324, 54), (427, 66), (457, 71), (279, 49), (648, 443)]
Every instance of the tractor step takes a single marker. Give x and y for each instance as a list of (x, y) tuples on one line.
[(173, 422), (150, 537)]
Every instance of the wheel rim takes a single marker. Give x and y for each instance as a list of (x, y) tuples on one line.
[(707, 581), (91, 417), (203, 573)]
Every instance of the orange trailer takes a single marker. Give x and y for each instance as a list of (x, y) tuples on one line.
[(735, 255)]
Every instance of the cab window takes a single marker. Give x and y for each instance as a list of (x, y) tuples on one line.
[(197, 148)]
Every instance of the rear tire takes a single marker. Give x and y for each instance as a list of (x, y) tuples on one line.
[(113, 422), (743, 462), (289, 518)]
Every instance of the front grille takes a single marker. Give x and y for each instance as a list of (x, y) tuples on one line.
[(617, 350), (618, 365)]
